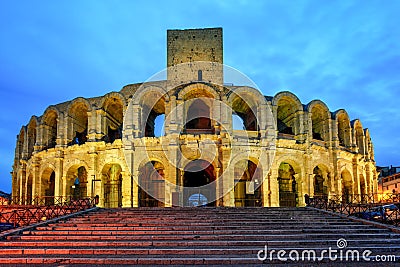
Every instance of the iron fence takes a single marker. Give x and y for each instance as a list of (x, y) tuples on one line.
[(150, 202), (248, 202), (25, 211), (384, 208)]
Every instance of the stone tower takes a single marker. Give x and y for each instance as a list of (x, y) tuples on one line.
[(195, 55)]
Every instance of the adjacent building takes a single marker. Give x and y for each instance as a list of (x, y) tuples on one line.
[(389, 179)]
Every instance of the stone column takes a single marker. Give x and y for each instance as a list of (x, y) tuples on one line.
[(136, 121), (98, 187), (41, 137), (335, 133), (126, 189), (101, 130), (329, 134), (135, 190), (14, 184), (21, 178), (69, 128), (356, 178), (228, 174), (218, 189), (181, 174), (60, 140), (92, 126), (173, 110), (274, 187), (23, 187), (58, 177), (228, 186), (64, 185), (37, 179), (300, 189), (311, 179), (170, 181), (339, 187), (266, 190)]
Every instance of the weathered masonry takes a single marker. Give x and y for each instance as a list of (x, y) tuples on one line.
[(111, 145)]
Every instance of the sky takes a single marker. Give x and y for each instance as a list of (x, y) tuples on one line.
[(345, 53)]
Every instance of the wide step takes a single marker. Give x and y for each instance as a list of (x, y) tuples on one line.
[(188, 236)]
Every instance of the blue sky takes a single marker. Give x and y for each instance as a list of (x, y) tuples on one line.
[(346, 53)]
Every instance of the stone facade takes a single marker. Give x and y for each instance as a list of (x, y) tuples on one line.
[(389, 180), (108, 146)]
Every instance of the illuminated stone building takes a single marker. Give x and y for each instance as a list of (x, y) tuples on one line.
[(108, 145), (389, 179)]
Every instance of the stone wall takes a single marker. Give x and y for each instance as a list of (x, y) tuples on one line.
[(343, 165)]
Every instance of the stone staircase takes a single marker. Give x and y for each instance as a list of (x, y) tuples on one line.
[(180, 236)]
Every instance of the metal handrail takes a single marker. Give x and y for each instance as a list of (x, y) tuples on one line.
[(360, 205), (38, 209), (248, 202)]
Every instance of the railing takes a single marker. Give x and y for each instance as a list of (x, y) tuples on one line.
[(199, 131), (286, 136), (318, 142), (21, 212), (248, 202), (246, 134), (384, 208), (150, 202)]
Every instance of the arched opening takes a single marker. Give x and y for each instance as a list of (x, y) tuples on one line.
[(113, 116), (237, 122), (199, 75), (347, 186), (76, 184), (48, 185), (246, 113), (344, 130), (154, 124), (78, 114), (50, 129), (248, 177), (31, 137), (319, 121), (153, 114), (287, 120), (159, 125), (199, 189), (152, 185), (320, 181), (288, 193), (112, 185), (198, 118)]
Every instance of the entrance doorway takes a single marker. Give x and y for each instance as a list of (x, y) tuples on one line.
[(199, 189), (288, 196), (152, 185), (112, 185), (247, 184)]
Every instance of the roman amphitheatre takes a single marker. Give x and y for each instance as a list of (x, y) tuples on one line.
[(110, 146)]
